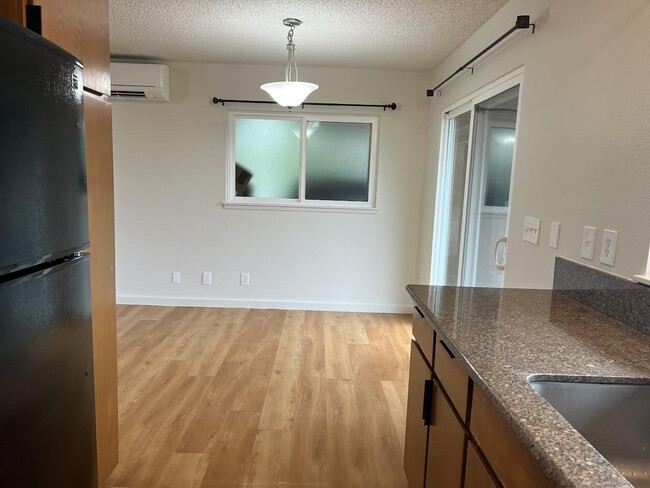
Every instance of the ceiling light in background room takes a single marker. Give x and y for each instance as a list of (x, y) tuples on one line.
[(290, 92)]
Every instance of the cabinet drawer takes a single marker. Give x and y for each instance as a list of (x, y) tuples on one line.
[(424, 334), (509, 458), (453, 377), (477, 474)]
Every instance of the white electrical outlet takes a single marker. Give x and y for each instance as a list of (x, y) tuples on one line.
[(588, 243), (608, 247), (531, 229), (244, 279), (176, 277), (206, 278), (554, 236)]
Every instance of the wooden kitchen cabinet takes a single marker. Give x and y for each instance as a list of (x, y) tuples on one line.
[(477, 474), (423, 334), (453, 377), (466, 444), (415, 443), (99, 163), (445, 455), (78, 26), (508, 457), (435, 438), (14, 10)]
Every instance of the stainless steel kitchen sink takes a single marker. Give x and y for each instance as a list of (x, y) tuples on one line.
[(613, 417)]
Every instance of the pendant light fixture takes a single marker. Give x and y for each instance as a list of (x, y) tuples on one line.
[(290, 92)]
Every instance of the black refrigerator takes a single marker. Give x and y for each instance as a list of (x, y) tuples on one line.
[(47, 414)]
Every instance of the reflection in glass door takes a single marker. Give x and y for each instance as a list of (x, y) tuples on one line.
[(450, 209), (473, 198)]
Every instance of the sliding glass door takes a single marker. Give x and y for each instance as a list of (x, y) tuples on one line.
[(453, 175), (474, 186)]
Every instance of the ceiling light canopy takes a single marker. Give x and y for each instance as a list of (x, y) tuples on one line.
[(290, 92)]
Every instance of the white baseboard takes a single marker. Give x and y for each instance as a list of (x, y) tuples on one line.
[(264, 304)]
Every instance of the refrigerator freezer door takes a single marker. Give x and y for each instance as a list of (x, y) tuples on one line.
[(47, 415), (43, 202)]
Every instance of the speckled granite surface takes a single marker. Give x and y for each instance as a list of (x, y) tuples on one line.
[(621, 299), (503, 336)]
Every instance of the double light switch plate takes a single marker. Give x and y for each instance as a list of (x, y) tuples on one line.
[(531, 229)]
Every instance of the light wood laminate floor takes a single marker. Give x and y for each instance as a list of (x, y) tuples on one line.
[(260, 398)]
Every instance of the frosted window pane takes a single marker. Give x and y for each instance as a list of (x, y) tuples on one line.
[(338, 161), (499, 166), (267, 158)]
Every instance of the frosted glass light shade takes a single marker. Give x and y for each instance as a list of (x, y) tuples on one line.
[(289, 93)]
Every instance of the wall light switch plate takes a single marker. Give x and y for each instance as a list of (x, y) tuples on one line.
[(588, 243), (206, 278), (244, 279), (531, 229), (554, 237), (608, 248), (176, 277)]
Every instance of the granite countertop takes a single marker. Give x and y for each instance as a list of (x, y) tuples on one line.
[(503, 336)]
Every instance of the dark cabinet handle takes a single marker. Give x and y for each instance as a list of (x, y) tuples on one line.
[(33, 18), (419, 312), (451, 354), (427, 404)]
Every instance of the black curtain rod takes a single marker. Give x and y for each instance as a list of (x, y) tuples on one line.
[(391, 106), (523, 22)]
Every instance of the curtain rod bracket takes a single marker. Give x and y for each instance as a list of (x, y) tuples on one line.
[(522, 22)]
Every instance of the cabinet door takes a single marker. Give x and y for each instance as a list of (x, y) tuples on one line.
[(476, 473), (508, 456), (14, 10), (81, 27), (415, 443), (446, 445), (99, 161)]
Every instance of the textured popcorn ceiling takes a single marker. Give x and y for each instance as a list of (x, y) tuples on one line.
[(336, 33)]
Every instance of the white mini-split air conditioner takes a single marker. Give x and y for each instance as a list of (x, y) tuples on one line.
[(136, 81)]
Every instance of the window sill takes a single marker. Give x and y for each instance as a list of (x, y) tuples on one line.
[(299, 207)]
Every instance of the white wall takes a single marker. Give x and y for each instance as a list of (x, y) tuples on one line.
[(583, 150), (169, 188)]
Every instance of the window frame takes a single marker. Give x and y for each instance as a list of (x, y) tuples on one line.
[(301, 203)]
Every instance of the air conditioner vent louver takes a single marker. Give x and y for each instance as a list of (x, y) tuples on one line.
[(140, 82), (130, 94)]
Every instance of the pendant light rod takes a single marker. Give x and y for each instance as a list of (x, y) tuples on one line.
[(291, 92), (291, 71), (385, 106), (522, 22)]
